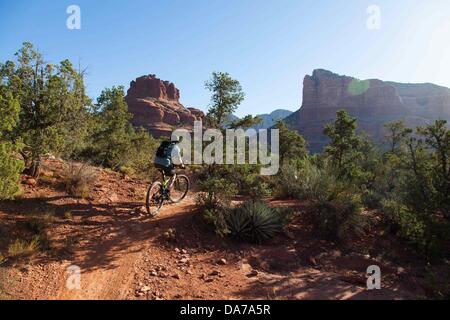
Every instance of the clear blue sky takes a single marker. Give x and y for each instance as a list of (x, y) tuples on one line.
[(267, 45)]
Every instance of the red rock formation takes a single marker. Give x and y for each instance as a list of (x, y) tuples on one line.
[(155, 106), (197, 113), (152, 87), (372, 102)]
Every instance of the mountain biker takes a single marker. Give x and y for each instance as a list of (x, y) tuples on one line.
[(173, 189), (168, 156)]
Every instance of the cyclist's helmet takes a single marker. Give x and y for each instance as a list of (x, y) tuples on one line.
[(175, 139)]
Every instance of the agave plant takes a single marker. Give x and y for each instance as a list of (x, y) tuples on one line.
[(254, 221)]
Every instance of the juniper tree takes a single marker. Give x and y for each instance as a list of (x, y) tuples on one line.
[(10, 166), (112, 136), (53, 114), (227, 95), (437, 169), (292, 144), (343, 148), (246, 123), (396, 135)]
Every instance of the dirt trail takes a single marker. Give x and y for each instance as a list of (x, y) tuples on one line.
[(125, 255), (116, 280)]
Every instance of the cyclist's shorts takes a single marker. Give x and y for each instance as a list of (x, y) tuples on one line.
[(168, 171)]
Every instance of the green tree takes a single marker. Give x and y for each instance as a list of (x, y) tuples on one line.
[(112, 138), (419, 203), (417, 181), (141, 154), (10, 166), (116, 143), (396, 135), (246, 123), (344, 146), (227, 95), (52, 105), (437, 139), (437, 136), (292, 144)]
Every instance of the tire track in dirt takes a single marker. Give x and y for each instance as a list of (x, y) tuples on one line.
[(115, 280)]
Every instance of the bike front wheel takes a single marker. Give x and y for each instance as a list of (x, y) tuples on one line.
[(179, 189), (154, 199)]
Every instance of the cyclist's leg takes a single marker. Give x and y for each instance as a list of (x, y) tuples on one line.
[(168, 174), (173, 176), (172, 181), (163, 174)]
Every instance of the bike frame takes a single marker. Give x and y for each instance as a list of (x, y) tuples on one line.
[(168, 183), (164, 187)]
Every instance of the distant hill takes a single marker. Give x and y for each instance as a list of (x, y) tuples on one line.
[(268, 120), (231, 118)]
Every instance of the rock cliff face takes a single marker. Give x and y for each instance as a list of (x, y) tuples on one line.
[(372, 102), (156, 107)]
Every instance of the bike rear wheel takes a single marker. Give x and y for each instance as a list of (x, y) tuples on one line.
[(179, 189), (154, 199)]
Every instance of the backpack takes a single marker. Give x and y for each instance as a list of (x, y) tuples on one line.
[(164, 150)]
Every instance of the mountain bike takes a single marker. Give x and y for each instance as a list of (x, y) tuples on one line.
[(173, 189)]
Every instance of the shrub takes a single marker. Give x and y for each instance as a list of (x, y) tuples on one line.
[(286, 183), (38, 226), (213, 200), (405, 221), (339, 218), (254, 221), (10, 167), (77, 179), (430, 237), (372, 199), (216, 191), (316, 183), (337, 203), (305, 180), (440, 289), (415, 187), (216, 219), (127, 171), (139, 159), (248, 180)]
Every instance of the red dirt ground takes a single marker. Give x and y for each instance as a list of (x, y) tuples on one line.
[(123, 254)]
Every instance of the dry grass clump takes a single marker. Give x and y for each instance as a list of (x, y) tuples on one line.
[(78, 179), (21, 248)]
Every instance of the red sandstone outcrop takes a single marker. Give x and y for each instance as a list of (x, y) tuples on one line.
[(372, 102), (156, 107)]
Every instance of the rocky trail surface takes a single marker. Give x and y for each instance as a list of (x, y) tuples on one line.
[(121, 253)]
